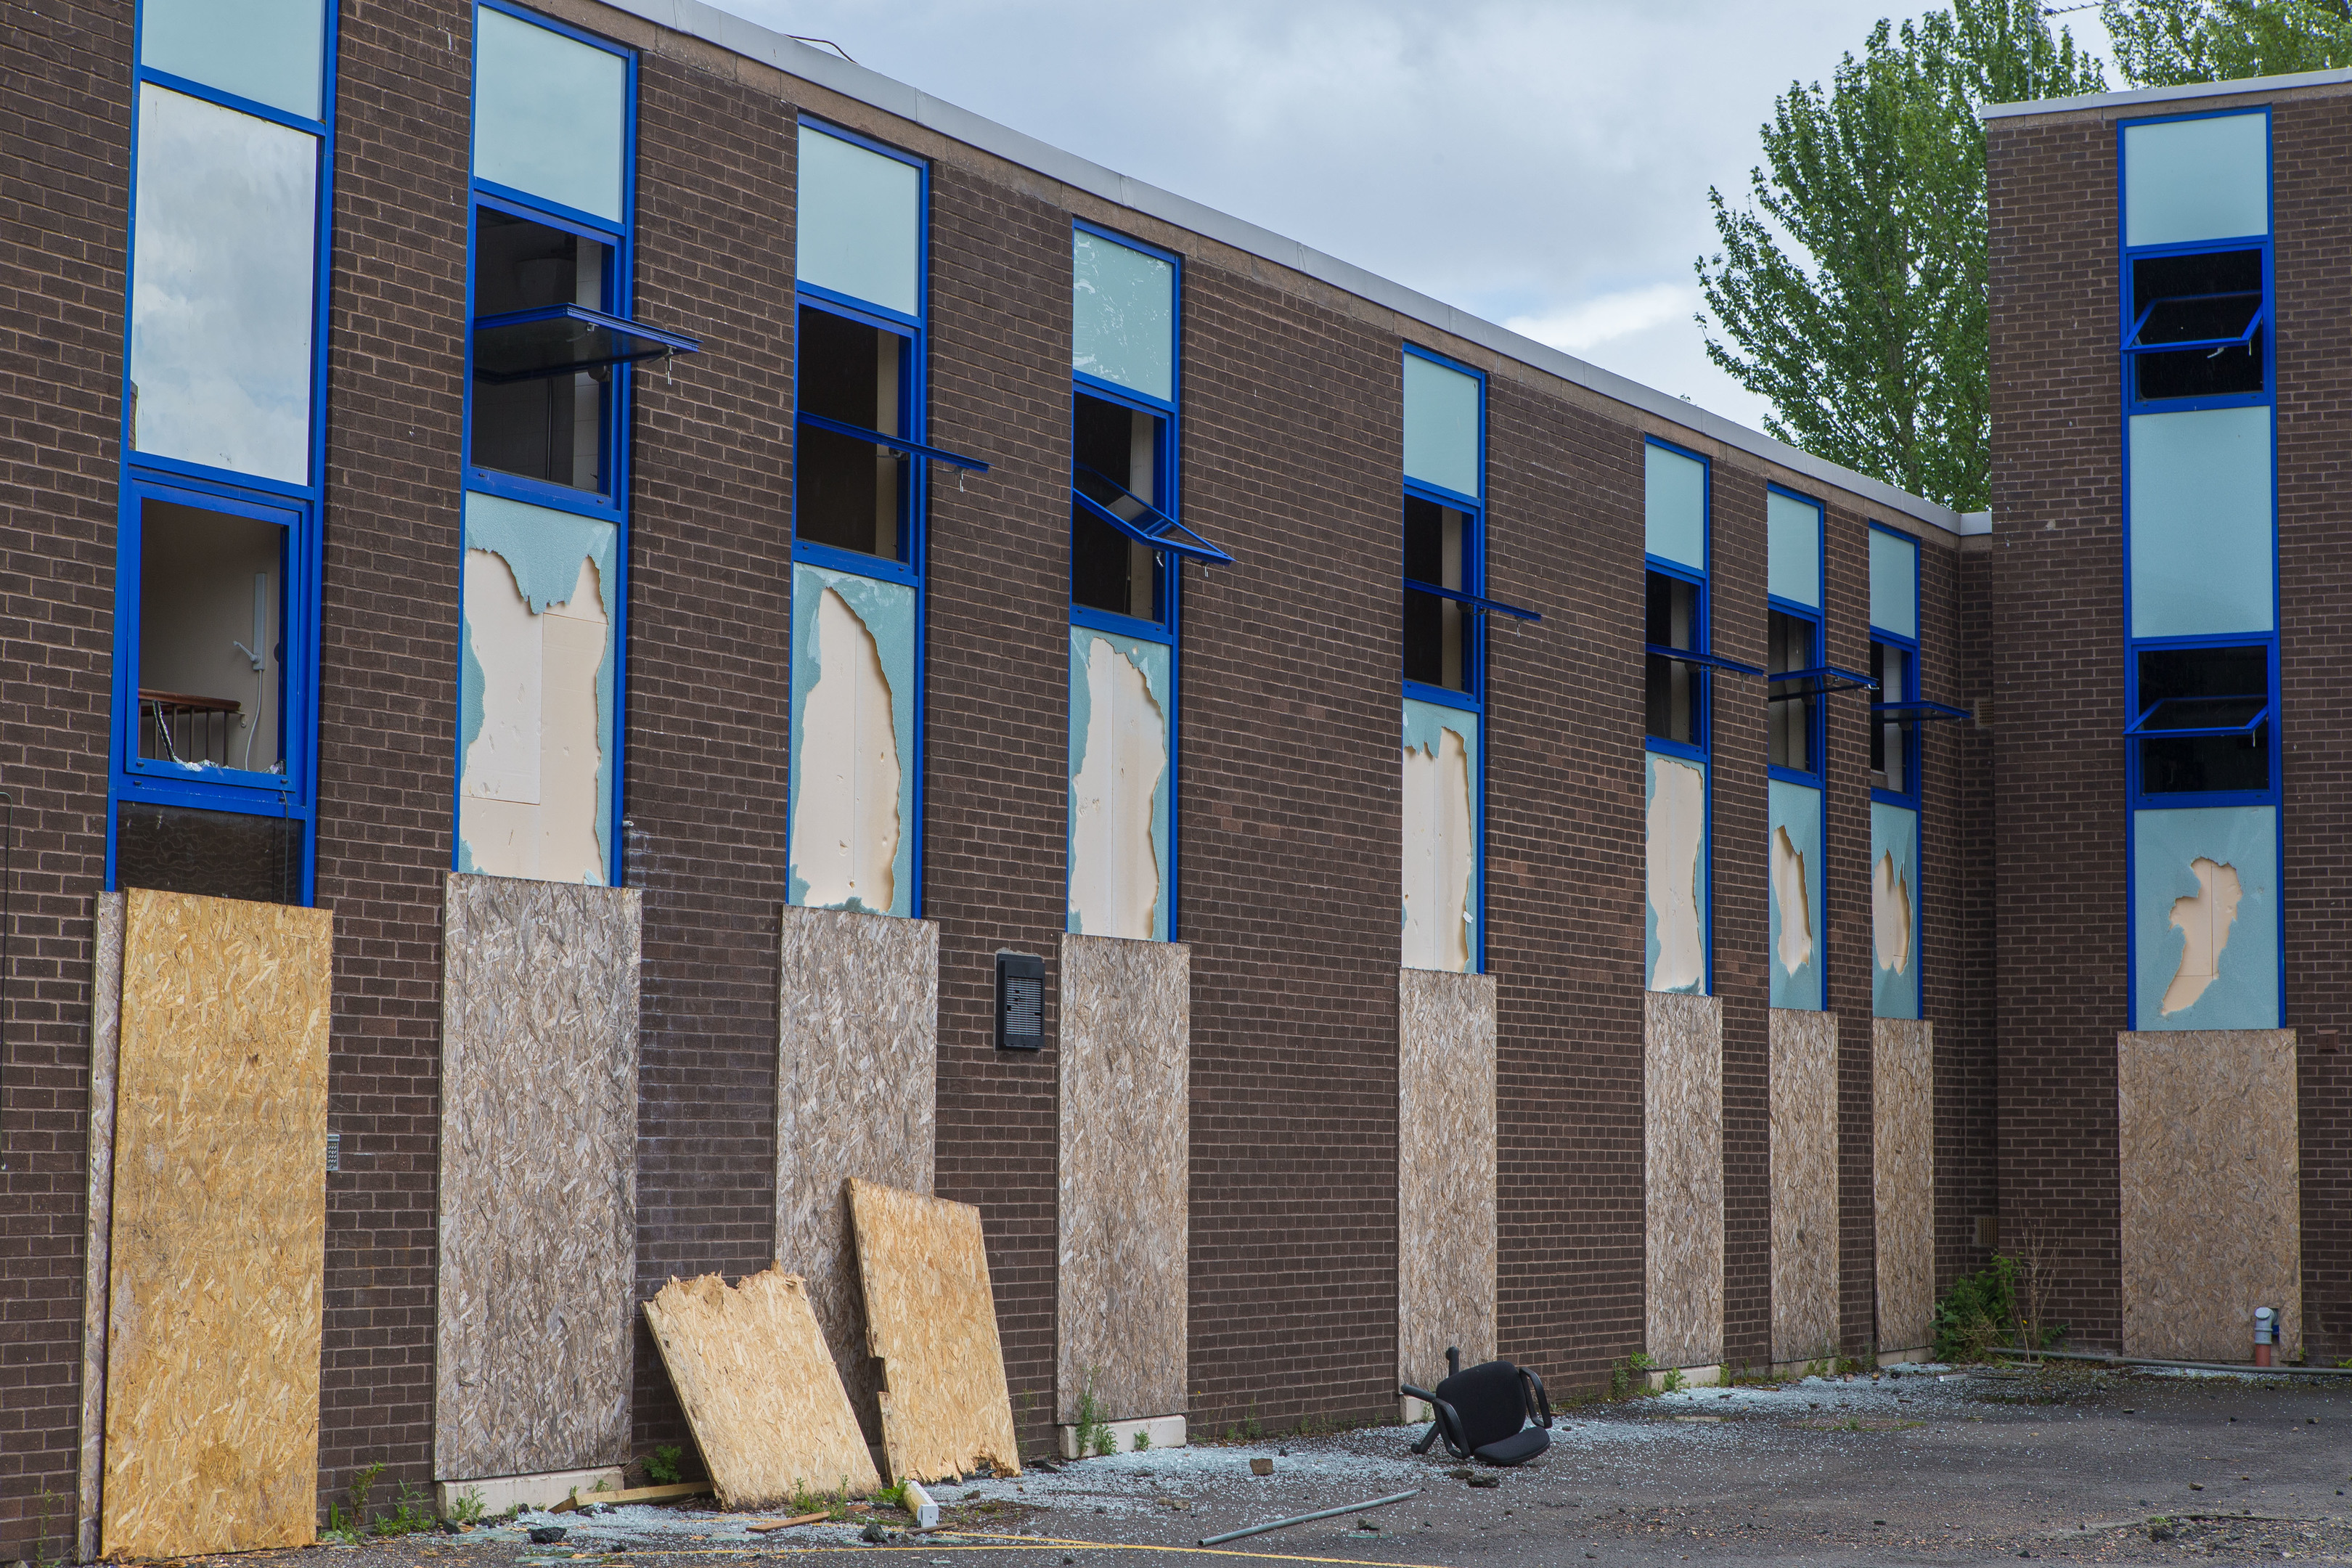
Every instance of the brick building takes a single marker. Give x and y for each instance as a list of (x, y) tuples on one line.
[(614, 619)]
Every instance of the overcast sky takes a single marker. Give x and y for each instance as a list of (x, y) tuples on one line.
[(1544, 165)]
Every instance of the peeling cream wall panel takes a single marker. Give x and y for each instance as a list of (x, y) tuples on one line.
[(538, 1177), (1118, 794), (2212, 1189), (219, 1227), (846, 822), (1675, 846), (1804, 1132), (1446, 1151), (1125, 1177), (1441, 837), (502, 762), (1682, 1161), (573, 636), (1796, 917), (105, 1058), (534, 771), (857, 1095), (1902, 1179), (1893, 912), (2205, 919)]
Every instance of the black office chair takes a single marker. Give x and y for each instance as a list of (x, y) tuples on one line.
[(1483, 1414)]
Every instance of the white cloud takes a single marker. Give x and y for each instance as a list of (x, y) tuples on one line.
[(1580, 328)]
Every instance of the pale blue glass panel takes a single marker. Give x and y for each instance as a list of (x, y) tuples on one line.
[(887, 610), (1796, 811), (2202, 556), (272, 51), (2177, 861), (860, 224), (549, 114), (1441, 426), (2188, 180), (1893, 584), (1894, 911), (1675, 507), (1793, 554), (221, 288), (1122, 315)]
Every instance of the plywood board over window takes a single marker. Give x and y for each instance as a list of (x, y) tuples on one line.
[(1902, 1179), (1446, 1154), (1682, 1161), (1803, 1046), (219, 1235)]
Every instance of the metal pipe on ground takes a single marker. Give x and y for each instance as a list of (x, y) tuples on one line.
[(2248, 1368), (1309, 1517)]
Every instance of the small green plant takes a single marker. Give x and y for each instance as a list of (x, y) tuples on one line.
[(892, 1496), (1251, 1428), (465, 1508), (1143, 1440), (661, 1465), (410, 1515), (1617, 1376), (1674, 1379), (1094, 1434), (52, 1511)]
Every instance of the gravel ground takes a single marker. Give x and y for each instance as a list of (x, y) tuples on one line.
[(2067, 1463)]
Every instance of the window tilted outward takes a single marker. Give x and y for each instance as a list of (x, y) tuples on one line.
[(1116, 463), (2203, 725), (2196, 324), (1437, 630), (851, 494), (1789, 727)]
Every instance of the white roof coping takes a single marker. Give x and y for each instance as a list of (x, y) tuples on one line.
[(2138, 96), (790, 55), (1972, 523)]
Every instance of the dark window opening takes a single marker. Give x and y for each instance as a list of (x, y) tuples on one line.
[(851, 494), (2207, 688), (212, 667), (1672, 686), (211, 853), (2214, 301), (1789, 732), (1890, 740), (1437, 631), (549, 427), (1119, 460)]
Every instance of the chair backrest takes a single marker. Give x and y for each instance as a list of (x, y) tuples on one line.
[(1490, 1400)]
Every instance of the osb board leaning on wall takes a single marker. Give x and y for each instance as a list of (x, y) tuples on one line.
[(1125, 1176), (2208, 1163), (218, 1238), (759, 1389), (538, 1136), (1445, 1172), (931, 1316), (857, 1095), (1902, 1179), (97, 1216), (1804, 1183), (1681, 1166)]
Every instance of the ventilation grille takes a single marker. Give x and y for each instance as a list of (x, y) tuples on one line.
[(1020, 1002)]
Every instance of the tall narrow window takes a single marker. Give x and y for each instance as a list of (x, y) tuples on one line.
[(216, 585), (1896, 715), (1799, 679), (1678, 667)]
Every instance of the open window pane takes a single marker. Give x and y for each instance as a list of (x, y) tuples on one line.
[(1890, 739), (548, 427), (851, 494), (1436, 631), (211, 668), (221, 288), (549, 112), (211, 853), (1116, 449), (1789, 728), (1671, 686), (559, 339), (2211, 299), (272, 51), (2204, 688), (860, 225), (1123, 315), (1441, 426)]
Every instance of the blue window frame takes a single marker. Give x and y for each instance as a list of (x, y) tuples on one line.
[(1679, 667), (214, 712), (1795, 640)]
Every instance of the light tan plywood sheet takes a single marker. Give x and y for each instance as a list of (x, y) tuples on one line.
[(2211, 1191), (218, 1239), (1125, 1176), (1804, 1183), (539, 1138), (931, 1316), (857, 1095), (1446, 1247), (1681, 1166), (758, 1386), (105, 1057), (1902, 1179)]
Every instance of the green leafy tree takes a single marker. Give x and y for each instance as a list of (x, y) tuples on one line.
[(1852, 293), (2173, 43)]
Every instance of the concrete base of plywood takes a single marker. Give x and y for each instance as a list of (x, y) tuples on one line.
[(1693, 1377), (503, 1494), (1163, 1431)]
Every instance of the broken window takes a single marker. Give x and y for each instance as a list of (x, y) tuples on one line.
[(2203, 720), (2196, 325), (209, 656), (1678, 880)]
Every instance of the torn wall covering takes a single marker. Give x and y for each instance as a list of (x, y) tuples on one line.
[(853, 758), (1902, 1179), (1440, 837), (1682, 1167), (1796, 910), (538, 1158), (1673, 926), (1803, 1046), (537, 692), (1446, 1151), (1120, 796), (857, 1095), (1125, 1177), (1894, 911), (2205, 917), (2211, 1196)]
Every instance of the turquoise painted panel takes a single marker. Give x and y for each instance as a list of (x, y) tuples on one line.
[(2167, 889), (1894, 876), (1793, 553), (2202, 552), (1893, 584), (1675, 507), (1151, 660), (1796, 810), (272, 51), (1654, 889), (1122, 315), (887, 610), (549, 114), (860, 225), (2188, 180), (1441, 426)]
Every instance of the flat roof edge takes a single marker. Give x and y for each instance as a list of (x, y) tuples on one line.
[(697, 18), (2148, 95)]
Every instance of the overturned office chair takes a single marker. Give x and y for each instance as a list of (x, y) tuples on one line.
[(1483, 1414)]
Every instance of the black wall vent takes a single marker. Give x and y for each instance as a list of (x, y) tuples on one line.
[(1020, 1002)]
